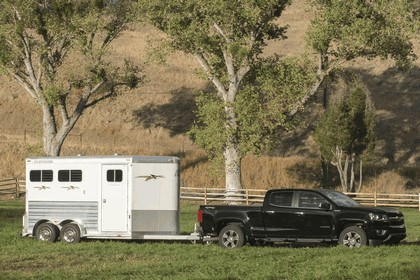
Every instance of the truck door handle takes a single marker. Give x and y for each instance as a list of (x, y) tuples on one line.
[(299, 213), (104, 200), (270, 212)]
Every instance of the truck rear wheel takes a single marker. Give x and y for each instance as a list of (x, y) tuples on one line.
[(353, 236), (231, 236), (70, 233), (46, 232)]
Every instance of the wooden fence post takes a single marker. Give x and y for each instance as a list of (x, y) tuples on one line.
[(17, 187), (247, 196), (205, 195), (374, 197)]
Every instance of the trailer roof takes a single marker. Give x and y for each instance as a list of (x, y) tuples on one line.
[(105, 159)]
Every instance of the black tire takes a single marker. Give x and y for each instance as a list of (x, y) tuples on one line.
[(70, 233), (231, 236), (353, 236), (46, 232)]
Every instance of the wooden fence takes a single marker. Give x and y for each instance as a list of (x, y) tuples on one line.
[(12, 186), (251, 196), (16, 187)]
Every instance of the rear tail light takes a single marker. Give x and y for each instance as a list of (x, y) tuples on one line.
[(200, 215)]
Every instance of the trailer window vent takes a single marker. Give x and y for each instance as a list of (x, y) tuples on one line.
[(70, 175), (114, 175), (41, 175)]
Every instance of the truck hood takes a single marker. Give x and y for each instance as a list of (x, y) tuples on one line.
[(384, 210)]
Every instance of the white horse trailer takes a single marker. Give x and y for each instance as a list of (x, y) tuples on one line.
[(106, 197)]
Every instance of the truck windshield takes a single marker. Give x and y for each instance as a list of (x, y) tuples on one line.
[(341, 199)]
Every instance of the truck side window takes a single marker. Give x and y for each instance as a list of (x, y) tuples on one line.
[(310, 200), (114, 175), (282, 199), (41, 175), (70, 175)]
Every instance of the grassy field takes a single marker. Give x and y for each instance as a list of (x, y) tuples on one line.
[(27, 258)]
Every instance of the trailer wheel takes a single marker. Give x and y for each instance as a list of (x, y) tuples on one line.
[(46, 232), (70, 233), (353, 236), (231, 236)]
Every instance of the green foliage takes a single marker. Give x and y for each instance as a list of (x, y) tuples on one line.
[(52, 94), (361, 28), (39, 37), (261, 107), (349, 125), (272, 90), (192, 26), (209, 130)]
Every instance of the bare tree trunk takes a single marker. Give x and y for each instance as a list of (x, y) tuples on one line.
[(343, 163), (232, 156), (339, 165), (54, 137), (360, 176), (50, 131), (233, 173), (352, 164), (345, 173)]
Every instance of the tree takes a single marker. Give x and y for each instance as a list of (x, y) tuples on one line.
[(227, 40), (56, 50), (346, 133), (345, 30), (268, 93)]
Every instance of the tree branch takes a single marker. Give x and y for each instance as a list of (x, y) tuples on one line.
[(203, 62), (22, 81), (220, 31), (321, 75)]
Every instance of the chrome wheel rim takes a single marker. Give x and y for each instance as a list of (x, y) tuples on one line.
[(45, 234), (69, 235), (230, 239), (352, 239)]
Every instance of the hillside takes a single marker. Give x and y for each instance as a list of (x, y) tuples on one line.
[(153, 119)]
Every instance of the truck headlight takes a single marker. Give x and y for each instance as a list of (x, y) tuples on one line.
[(378, 217)]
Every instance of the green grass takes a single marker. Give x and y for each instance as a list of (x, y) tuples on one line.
[(27, 258)]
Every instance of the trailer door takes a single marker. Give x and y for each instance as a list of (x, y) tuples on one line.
[(114, 198)]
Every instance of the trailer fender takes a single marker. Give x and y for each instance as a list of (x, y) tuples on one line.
[(82, 228)]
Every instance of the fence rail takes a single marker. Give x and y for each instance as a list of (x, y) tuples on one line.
[(16, 187), (250, 196), (12, 186)]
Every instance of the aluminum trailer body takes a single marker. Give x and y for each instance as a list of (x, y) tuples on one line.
[(104, 197)]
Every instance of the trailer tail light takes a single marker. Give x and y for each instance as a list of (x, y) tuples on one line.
[(200, 215)]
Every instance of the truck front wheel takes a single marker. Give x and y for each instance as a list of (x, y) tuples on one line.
[(353, 236), (231, 236)]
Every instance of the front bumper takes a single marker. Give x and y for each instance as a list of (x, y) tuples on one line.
[(387, 233)]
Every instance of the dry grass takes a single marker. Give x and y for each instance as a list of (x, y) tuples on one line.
[(153, 119)]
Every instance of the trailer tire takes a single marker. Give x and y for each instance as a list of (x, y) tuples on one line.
[(46, 232), (231, 236), (70, 233)]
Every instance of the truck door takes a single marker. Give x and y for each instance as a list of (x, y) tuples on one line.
[(277, 215), (114, 198), (310, 219)]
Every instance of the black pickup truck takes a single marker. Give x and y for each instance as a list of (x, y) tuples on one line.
[(302, 215)]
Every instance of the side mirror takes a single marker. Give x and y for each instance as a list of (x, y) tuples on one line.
[(325, 206)]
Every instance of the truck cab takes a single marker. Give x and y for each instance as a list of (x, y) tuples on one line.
[(303, 215)]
